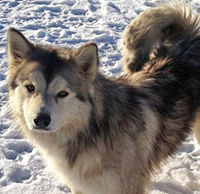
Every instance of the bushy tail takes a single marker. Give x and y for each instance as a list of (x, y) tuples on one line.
[(154, 32)]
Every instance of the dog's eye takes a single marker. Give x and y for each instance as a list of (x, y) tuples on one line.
[(62, 94), (30, 88)]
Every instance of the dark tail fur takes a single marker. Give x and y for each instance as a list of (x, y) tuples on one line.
[(155, 32)]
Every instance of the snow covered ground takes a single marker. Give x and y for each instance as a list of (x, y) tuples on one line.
[(72, 23)]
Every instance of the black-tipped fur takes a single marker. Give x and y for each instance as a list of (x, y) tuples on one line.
[(107, 135)]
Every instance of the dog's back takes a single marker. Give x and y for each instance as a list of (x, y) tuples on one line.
[(155, 32), (163, 43)]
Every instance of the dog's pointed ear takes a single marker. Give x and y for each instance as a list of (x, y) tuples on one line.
[(18, 46), (86, 59)]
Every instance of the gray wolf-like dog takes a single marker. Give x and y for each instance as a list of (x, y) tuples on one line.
[(103, 135)]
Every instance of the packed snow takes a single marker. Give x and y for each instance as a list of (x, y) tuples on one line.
[(72, 23)]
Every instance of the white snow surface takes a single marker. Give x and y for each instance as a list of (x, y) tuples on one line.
[(72, 23)]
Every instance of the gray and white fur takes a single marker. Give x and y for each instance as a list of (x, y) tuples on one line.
[(103, 135)]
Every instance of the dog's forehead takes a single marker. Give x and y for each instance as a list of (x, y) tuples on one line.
[(51, 61), (58, 82), (37, 78)]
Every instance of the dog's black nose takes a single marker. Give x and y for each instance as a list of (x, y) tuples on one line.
[(42, 121)]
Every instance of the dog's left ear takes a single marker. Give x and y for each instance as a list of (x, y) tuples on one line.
[(86, 59), (18, 46)]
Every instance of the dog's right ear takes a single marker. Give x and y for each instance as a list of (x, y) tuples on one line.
[(86, 59), (18, 46)]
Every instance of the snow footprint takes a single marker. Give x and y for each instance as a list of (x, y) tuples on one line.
[(42, 2), (15, 173), (48, 8), (15, 150), (64, 2), (10, 154), (20, 175), (78, 11), (149, 4)]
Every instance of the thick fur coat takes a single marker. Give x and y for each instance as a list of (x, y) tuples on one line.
[(100, 135)]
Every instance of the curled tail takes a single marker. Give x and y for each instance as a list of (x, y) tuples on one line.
[(154, 32)]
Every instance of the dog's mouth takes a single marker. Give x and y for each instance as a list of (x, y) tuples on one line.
[(41, 129)]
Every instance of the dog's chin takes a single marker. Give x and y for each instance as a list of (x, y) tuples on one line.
[(42, 130)]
